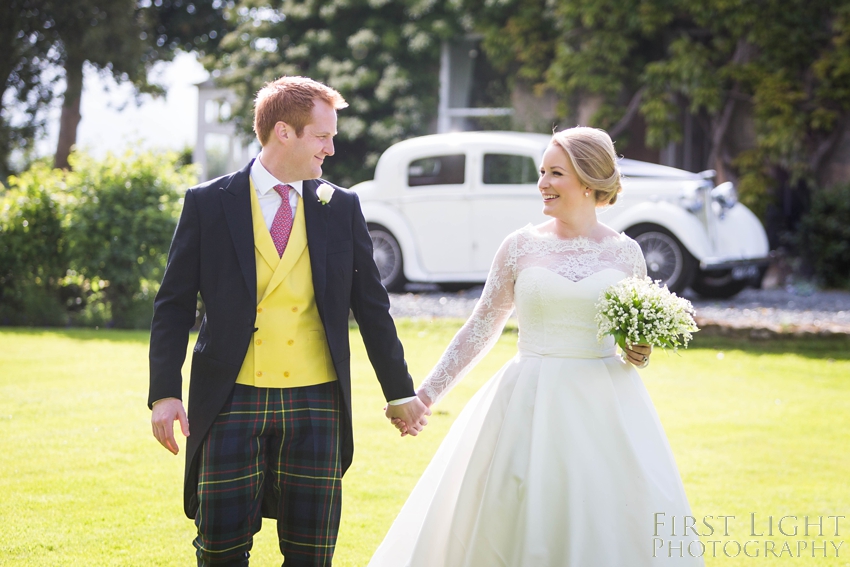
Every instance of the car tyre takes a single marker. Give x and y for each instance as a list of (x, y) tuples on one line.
[(387, 255), (666, 258), (717, 285), (454, 287)]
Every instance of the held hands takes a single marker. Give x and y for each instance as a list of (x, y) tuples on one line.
[(409, 418), (638, 354), (165, 413)]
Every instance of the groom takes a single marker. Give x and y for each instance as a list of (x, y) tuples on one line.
[(278, 267)]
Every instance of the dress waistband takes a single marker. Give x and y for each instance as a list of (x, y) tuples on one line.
[(525, 352)]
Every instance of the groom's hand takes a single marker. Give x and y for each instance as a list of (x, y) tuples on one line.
[(409, 418), (165, 413), (402, 426)]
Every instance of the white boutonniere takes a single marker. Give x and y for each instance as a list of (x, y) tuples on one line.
[(324, 192)]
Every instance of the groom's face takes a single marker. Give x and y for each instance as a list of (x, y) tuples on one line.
[(305, 154)]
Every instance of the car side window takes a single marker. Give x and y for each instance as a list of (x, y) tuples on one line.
[(508, 169), (437, 170)]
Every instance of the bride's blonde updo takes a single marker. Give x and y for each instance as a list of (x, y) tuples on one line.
[(591, 153)]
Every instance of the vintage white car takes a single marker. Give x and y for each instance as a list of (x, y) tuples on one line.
[(440, 206)]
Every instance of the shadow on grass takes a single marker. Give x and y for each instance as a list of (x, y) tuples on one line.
[(111, 335), (836, 348)]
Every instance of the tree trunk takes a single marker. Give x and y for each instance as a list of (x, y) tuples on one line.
[(631, 112), (11, 22), (720, 123), (719, 126), (70, 112), (825, 147)]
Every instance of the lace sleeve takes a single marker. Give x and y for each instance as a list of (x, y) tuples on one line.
[(482, 329), (638, 261)]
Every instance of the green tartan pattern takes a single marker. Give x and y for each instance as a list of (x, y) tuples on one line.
[(290, 438)]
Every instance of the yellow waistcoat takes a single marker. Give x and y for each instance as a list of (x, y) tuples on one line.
[(289, 348)]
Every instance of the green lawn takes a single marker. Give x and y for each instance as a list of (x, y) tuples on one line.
[(758, 428)]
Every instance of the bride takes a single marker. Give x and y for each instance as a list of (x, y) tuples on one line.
[(560, 459)]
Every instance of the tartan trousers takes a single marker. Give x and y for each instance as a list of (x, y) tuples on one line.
[(288, 437)]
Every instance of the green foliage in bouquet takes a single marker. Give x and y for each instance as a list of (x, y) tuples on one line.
[(638, 311)]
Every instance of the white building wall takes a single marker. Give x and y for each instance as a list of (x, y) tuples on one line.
[(219, 149)]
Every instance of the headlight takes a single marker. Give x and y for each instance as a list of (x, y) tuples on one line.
[(692, 200), (723, 198)]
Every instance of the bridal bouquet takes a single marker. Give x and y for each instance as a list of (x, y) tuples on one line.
[(639, 311)]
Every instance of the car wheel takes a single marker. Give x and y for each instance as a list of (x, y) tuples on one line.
[(387, 255), (717, 285), (666, 258)]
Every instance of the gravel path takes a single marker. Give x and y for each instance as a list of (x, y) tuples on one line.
[(753, 312)]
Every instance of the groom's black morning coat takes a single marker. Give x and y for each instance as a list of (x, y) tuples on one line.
[(213, 253)]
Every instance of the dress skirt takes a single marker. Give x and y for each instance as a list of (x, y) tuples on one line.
[(555, 462)]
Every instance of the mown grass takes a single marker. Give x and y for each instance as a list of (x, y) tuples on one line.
[(758, 428)]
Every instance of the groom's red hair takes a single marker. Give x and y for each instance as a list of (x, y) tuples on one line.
[(290, 100)]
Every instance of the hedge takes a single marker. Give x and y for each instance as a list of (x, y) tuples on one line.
[(88, 246)]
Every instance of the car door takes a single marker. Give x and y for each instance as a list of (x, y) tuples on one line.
[(437, 209), (505, 198)]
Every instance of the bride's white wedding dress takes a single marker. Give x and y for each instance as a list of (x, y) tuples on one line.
[(560, 459)]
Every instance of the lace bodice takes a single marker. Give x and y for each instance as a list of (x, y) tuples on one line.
[(554, 284)]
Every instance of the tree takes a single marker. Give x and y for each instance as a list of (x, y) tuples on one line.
[(25, 89), (124, 38), (106, 34), (784, 65), (383, 56)]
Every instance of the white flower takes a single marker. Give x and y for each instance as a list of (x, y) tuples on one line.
[(324, 192), (643, 312)]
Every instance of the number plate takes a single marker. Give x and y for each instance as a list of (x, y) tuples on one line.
[(744, 272)]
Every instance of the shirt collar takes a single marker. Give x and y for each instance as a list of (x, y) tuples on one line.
[(265, 181)]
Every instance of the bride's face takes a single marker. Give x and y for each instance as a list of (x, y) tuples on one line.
[(562, 192)]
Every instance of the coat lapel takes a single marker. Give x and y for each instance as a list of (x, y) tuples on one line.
[(236, 201), (316, 219), (262, 238), (294, 249)]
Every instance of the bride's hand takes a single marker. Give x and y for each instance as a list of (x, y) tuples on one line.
[(401, 425), (638, 354), (409, 417), (424, 397)]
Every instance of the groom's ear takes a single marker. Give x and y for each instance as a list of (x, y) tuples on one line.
[(283, 131)]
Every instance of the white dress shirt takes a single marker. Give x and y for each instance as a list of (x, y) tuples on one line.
[(270, 200)]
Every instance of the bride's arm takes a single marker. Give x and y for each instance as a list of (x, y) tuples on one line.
[(638, 355), (481, 330), (637, 260)]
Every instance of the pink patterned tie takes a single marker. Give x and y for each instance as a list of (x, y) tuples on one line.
[(282, 223)]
